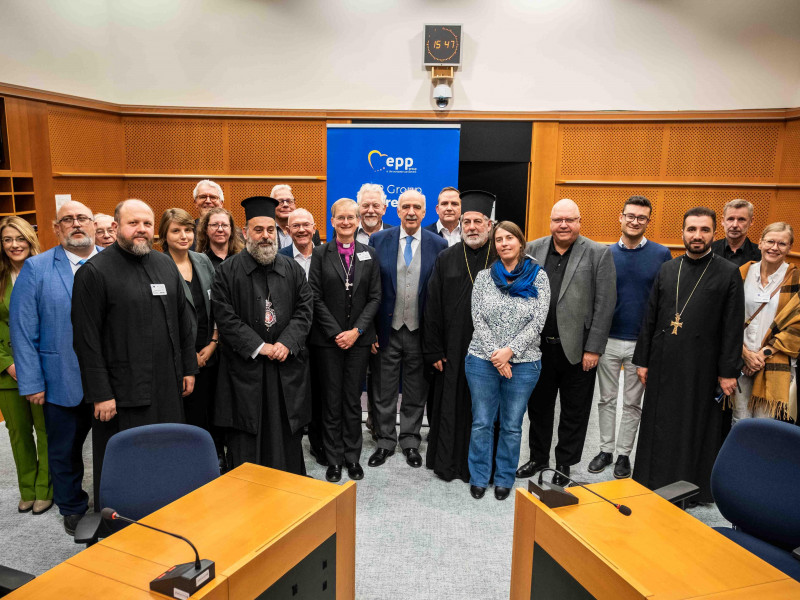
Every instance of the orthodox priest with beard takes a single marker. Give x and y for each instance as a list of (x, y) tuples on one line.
[(263, 308), (447, 332), (689, 355), (133, 331)]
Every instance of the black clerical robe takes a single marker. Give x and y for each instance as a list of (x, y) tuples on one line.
[(254, 394), (447, 332), (682, 425)]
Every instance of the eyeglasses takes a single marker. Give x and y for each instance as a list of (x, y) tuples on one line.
[(565, 220), (219, 226), (286, 201), (9, 240), (211, 197), (296, 226), (69, 220), (630, 218), (770, 243)]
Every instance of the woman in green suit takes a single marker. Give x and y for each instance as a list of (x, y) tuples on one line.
[(22, 418)]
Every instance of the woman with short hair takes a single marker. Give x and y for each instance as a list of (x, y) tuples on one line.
[(510, 301)]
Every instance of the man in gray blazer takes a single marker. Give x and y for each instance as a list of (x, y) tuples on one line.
[(583, 295)]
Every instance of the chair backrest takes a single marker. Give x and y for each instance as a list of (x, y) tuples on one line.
[(756, 480), (146, 468)]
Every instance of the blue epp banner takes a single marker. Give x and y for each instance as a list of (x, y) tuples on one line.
[(396, 157)]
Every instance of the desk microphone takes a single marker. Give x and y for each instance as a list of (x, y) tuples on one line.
[(180, 581), (620, 507)]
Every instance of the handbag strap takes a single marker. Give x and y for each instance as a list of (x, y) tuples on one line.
[(760, 308)]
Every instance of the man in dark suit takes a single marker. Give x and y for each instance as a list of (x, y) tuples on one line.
[(406, 255), (583, 292), (286, 204), (448, 207), (346, 282)]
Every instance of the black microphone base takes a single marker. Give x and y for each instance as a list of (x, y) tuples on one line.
[(551, 495), (181, 581)]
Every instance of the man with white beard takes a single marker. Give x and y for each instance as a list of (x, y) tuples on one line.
[(263, 308), (447, 332), (133, 331)]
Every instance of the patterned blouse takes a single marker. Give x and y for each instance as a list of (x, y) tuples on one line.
[(504, 321)]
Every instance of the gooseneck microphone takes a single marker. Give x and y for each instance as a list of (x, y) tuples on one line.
[(180, 581), (620, 507)]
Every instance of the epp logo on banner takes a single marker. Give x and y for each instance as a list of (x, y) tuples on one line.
[(378, 161)]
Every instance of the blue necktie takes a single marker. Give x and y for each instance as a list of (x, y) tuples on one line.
[(407, 254), (81, 262)]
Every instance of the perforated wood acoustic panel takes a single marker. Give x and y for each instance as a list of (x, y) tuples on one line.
[(601, 206), (676, 201), (100, 195), (308, 194), (610, 150), (723, 151), (172, 145), (85, 141), (161, 195), (790, 165), (277, 147), (786, 207)]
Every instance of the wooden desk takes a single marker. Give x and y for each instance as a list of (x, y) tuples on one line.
[(254, 523), (659, 552)]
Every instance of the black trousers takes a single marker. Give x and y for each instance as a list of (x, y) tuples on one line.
[(67, 428), (315, 427), (373, 387), (343, 372), (199, 405), (576, 387)]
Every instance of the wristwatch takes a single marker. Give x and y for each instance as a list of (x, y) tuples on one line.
[(360, 331), (767, 351)]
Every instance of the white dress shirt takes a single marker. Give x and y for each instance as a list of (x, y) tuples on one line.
[(303, 261), (415, 241), (756, 294), (74, 259), (453, 237)]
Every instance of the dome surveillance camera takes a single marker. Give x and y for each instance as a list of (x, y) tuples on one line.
[(442, 94)]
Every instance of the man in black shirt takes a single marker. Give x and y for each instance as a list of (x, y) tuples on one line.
[(737, 217)]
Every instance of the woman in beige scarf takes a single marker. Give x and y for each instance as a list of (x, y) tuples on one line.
[(771, 331)]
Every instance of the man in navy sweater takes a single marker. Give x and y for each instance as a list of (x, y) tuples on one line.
[(637, 261)]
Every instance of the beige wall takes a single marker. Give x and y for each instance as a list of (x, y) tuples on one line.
[(519, 55)]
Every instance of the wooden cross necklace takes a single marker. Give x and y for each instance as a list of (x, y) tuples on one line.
[(676, 322)]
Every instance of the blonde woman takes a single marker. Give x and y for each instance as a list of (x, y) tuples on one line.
[(22, 417)]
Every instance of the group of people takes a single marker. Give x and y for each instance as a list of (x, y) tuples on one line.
[(263, 333)]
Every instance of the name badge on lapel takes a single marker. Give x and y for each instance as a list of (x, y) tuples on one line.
[(364, 256), (158, 289)]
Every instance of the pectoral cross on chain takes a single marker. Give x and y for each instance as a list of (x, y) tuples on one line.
[(347, 285), (676, 323)]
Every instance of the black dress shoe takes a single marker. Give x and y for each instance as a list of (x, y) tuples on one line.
[(600, 462), (412, 457), (354, 470), (622, 468), (379, 457), (530, 468), (558, 479), (334, 473), (501, 493), (71, 522), (477, 491), (319, 456)]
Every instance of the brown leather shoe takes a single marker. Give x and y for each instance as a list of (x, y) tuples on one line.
[(42, 506), (25, 506)]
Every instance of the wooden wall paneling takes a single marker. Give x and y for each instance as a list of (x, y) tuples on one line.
[(85, 141), (19, 142), (308, 194), (723, 152), (611, 151), (163, 194), (544, 162), (277, 147), (785, 207), (173, 145), (100, 194), (790, 163), (39, 133)]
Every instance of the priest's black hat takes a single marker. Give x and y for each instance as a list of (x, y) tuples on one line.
[(478, 201), (259, 206)]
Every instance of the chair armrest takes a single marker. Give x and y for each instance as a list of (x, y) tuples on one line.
[(88, 529), (11, 579), (678, 491), (796, 553)]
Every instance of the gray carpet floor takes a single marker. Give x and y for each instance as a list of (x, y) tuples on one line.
[(416, 535)]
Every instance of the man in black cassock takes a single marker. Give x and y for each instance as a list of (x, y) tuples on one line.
[(446, 335), (689, 349), (263, 308), (133, 331)]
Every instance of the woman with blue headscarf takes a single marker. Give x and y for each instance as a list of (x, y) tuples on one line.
[(509, 306)]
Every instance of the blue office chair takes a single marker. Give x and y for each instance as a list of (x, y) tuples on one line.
[(146, 468), (756, 485)]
